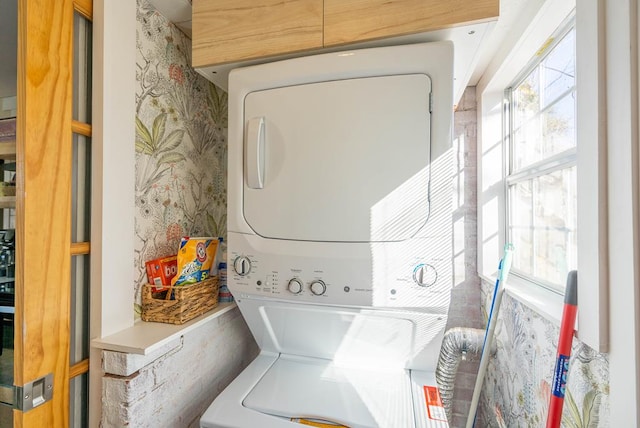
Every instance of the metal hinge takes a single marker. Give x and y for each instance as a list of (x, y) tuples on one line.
[(28, 396)]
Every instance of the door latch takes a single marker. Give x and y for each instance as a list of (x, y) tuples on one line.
[(28, 396)]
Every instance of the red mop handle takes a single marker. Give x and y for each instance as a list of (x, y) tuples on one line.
[(564, 351)]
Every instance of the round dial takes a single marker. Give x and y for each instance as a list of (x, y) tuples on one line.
[(295, 286), (425, 275), (318, 287), (242, 265)]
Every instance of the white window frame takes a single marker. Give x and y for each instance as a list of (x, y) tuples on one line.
[(537, 22), (553, 163), (596, 213)]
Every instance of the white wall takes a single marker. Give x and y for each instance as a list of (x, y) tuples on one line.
[(114, 36), (621, 38)]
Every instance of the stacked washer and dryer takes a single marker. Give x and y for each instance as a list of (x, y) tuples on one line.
[(339, 237)]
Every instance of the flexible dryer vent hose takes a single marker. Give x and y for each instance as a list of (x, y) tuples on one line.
[(458, 344)]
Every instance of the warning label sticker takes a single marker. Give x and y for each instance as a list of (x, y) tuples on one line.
[(435, 409)]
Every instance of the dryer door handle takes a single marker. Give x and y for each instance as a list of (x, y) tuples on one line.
[(254, 153)]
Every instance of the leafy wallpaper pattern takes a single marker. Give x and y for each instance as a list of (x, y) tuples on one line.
[(181, 145), (518, 383)]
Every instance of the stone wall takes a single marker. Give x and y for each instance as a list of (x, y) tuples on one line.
[(174, 385), (465, 295)]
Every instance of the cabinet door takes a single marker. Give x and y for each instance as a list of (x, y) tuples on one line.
[(233, 30), (348, 21)]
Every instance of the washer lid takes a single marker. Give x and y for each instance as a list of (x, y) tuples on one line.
[(300, 387)]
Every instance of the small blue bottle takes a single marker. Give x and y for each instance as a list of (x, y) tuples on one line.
[(224, 295)]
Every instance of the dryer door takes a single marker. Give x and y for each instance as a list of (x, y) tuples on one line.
[(339, 161)]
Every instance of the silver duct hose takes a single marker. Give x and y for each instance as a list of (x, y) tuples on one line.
[(458, 344)]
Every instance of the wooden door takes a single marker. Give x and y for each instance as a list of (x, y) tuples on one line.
[(44, 172)]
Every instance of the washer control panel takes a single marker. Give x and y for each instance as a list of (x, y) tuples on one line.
[(349, 280)]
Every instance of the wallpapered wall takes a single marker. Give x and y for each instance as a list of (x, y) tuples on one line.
[(519, 378), (181, 146)]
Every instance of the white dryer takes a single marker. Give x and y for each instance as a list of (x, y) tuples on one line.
[(339, 237)]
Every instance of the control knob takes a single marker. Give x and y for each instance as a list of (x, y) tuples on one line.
[(295, 286), (318, 287), (425, 275), (242, 265)]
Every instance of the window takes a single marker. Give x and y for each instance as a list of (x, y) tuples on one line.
[(600, 213), (541, 198)]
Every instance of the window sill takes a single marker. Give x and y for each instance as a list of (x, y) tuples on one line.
[(545, 302), (144, 338)]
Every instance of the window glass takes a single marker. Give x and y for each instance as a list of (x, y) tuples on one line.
[(79, 323), (559, 69), (82, 40), (79, 401), (81, 189), (542, 225), (541, 180), (544, 105)]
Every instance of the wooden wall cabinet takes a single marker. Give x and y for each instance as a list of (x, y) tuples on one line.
[(348, 21), (236, 30), (226, 31)]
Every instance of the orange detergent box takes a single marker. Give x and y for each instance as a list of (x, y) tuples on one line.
[(160, 271), (195, 258)]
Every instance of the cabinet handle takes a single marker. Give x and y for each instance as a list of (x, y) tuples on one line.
[(254, 153)]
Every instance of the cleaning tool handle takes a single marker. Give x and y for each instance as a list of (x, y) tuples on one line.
[(503, 272), (505, 265), (561, 372)]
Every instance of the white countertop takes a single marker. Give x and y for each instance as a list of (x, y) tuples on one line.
[(145, 337)]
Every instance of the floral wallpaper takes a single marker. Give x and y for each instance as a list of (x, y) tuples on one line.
[(181, 145), (518, 383)]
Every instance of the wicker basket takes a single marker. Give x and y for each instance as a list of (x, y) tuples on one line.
[(189, 302)]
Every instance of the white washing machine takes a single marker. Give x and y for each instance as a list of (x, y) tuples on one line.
[(339, 237)]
